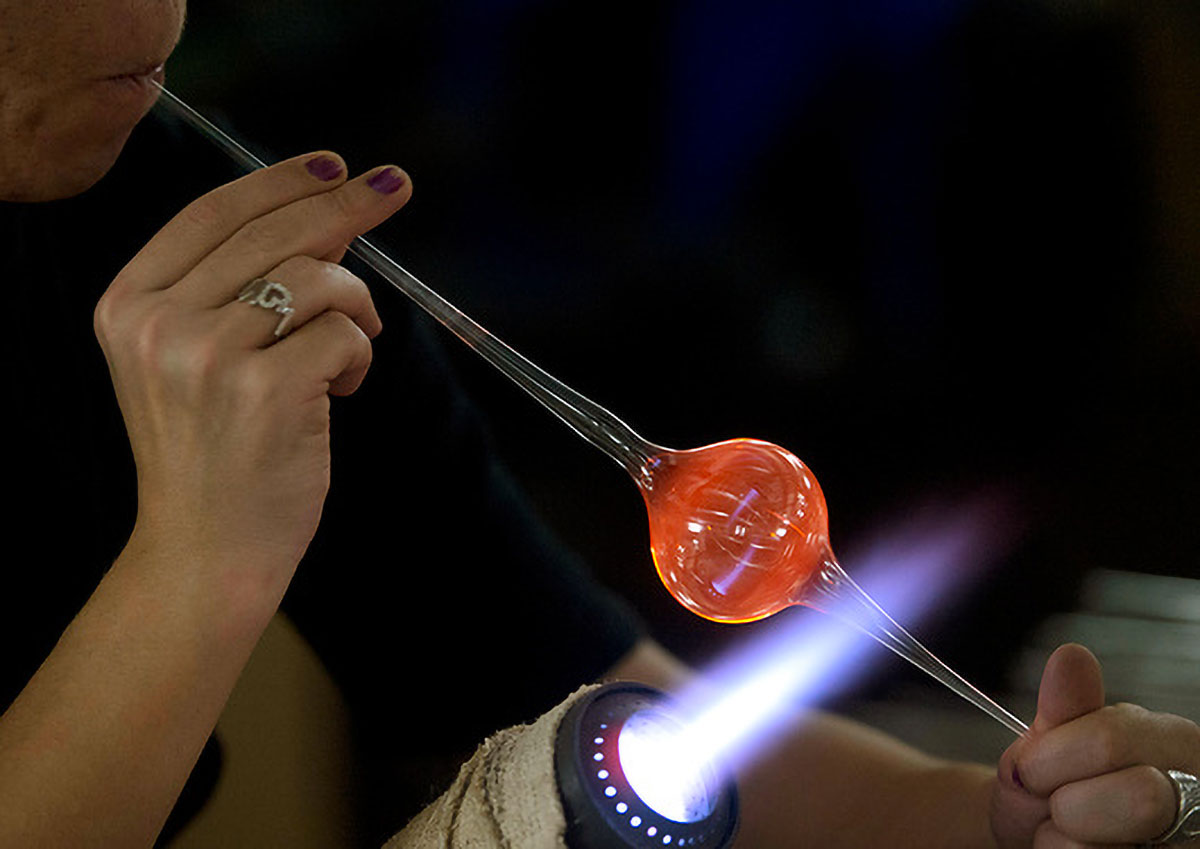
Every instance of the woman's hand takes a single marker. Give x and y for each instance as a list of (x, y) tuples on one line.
[(230, 425), (1089, 775), (230, 432)]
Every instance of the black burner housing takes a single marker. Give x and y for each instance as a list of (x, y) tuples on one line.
[(601, 807)]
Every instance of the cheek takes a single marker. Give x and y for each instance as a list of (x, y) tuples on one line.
[(93, 120), (62, 140)]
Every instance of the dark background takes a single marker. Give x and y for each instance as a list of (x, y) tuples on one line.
[(930, 247)]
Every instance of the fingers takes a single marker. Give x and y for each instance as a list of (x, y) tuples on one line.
[(206, 223), (1072, 685), (1107, 740), (284, 222), (1133, 805), (319, 225), (316, 287), (331, 351)]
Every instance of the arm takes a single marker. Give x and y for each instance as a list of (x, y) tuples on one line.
[(98, 745), (230, 435)]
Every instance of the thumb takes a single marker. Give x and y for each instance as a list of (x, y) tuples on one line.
[(1072, 685)]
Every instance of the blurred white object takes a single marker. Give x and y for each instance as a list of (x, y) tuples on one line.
[(1145, 631)]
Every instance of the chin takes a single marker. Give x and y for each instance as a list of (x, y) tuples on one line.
[(87, 170), (76, 164), (66, 183)]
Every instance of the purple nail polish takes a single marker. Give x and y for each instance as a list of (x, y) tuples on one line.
[(387, 181), (324, 168)]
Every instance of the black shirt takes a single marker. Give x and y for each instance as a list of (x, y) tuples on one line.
[(437, 601)]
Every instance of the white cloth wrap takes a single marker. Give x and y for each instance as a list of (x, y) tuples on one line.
[(505, 796)]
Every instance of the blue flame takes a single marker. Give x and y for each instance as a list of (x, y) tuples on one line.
[(739, 705)]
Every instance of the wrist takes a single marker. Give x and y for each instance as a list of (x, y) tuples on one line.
[(232, 590)]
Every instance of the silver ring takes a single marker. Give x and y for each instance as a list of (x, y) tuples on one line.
[(270, 295), (1187, 813)]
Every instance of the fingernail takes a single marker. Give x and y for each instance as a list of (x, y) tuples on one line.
[(324, 168), (1016, 778), (388, 181)]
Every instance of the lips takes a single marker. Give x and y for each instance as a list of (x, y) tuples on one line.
[(143, 74), (134, 91)]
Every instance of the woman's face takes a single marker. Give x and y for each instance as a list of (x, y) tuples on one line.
[(74, 80)]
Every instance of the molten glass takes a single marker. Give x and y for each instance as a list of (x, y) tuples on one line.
[(737, 529)]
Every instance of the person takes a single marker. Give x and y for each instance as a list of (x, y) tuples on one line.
[(223, 334)]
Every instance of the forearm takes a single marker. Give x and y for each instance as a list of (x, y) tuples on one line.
[(840, 784), (98, 745)]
